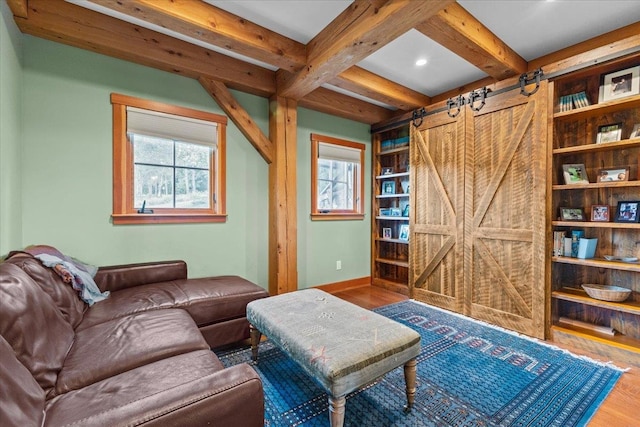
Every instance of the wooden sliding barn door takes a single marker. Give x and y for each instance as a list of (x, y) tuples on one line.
[(437, 211), (478, 211), (505, 210)]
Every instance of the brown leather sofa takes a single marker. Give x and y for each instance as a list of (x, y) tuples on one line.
[(140, 357)]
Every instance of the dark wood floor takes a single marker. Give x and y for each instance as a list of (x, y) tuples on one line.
[(620, 409)]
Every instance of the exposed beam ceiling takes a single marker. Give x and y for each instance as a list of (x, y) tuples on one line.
[(198, 40)]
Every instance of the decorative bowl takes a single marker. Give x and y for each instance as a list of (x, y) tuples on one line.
[(607, 293)]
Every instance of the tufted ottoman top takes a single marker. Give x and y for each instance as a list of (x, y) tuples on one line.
[(341, 345)]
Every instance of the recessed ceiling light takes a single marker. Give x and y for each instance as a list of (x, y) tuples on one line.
[(420, 62)]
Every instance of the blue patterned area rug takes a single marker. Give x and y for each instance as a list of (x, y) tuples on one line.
[(469, 374)]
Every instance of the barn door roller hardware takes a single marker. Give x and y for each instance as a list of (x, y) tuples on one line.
[(418, 116), (477, 94), (457, 103), (525, 80)]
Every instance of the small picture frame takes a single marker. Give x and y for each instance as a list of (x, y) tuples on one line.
[(572, 214), (575, 173), (385, 212), (627, 211), (600, 213), (404, 232), (405, 211), (389, 187), (609, 133), (613, 174), (620, 84), (395, 212), (387, 171), (635, 133), (386, 233)]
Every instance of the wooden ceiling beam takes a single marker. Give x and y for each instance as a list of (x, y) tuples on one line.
[(239, 117), (460, 32), (364, 27), (209, 24), (337, 104), (18, 7), (80, 27), (370, 85)]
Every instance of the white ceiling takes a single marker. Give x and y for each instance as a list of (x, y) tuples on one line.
[(532, 28)]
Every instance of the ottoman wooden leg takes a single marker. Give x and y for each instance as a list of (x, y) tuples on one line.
[(255, 336), (410, 381), (336, 411)]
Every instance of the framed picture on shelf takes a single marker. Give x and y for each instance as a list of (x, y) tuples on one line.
[(389, 187), (571, 214), (386, 233), (404, 232), (613, 174), (600, 213), (395, 212), (575, 173), (387, 171), (609, 133), (635, 133), (385, 212), (405, 211), (627, 211), (620, 84)]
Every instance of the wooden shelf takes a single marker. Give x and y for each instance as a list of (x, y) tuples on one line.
[(599, 109), (391, 196), (558, 187), (599, 263), (619, 341), (592, 148), (580, 296), (402, 242), (393, 151), (392, 175), (393, 262), (587, 224), (393, 218)]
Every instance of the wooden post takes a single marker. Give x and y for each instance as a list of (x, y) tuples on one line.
[(283, 238)]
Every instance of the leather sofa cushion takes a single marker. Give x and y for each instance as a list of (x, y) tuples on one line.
[(208, 300), (134, 395), (62, 294), (22, 399), (122, 344), (33, 326)]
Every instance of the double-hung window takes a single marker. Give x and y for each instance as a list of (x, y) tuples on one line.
[(168, 163), (337, 178)]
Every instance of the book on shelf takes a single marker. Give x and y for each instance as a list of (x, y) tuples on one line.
[(574, 100), (558, 243)]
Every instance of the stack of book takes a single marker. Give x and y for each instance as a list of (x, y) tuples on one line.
[(574, 100)]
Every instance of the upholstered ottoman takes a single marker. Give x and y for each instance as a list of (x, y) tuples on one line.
[(341, 345)]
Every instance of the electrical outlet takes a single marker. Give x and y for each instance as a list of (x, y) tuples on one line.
[(338, 265)]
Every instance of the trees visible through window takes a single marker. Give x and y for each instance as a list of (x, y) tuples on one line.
[(337, 178), (168, 163)]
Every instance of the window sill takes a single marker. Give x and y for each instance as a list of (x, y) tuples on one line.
[(336, 216), (166, 218)]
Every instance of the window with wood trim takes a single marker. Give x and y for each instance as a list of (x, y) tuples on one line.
[(337, 178), (168, 163)]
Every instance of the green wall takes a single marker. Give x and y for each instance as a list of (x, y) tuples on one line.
[(10, 120), (322, 243), (66, 175)]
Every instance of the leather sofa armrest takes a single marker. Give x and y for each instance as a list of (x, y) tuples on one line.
[(116, 277)]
